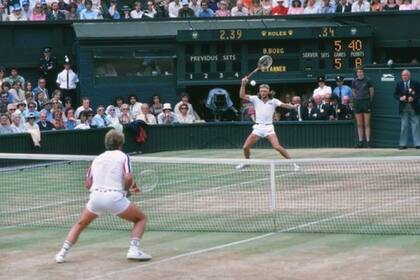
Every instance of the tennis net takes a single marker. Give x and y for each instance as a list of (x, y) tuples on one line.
[(364, 195)]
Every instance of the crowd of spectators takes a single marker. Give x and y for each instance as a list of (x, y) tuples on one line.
[(58, 10)]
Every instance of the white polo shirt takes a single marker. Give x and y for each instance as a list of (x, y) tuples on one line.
[(108, 169), (322, 91), (67, 79), (264, 111)]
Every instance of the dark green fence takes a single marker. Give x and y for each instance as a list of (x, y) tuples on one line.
[(181, 137)]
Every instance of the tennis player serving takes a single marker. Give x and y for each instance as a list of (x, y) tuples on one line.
[(110, 180), (265, 106)]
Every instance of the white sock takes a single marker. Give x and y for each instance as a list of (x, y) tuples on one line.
[(134, 243), (66, 247)]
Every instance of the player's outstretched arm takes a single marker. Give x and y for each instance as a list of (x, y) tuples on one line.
[(288, 106), (242, 90)]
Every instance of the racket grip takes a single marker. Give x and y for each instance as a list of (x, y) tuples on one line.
[(252, 73)]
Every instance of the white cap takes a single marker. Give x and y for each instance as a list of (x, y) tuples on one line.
[(167, 106), (184, 2)]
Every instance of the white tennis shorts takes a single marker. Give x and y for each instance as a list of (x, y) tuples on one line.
[(107, 202), (263, 130)]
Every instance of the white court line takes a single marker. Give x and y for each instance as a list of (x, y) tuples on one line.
[(243, 241)]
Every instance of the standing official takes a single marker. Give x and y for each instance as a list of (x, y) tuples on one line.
[(67, 81), (48, 68), (407, 92)]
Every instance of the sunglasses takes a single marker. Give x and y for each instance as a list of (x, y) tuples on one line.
[(12, 109), (184, 109)]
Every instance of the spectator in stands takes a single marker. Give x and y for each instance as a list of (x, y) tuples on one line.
[(72, 13), (136, 13), (55, 14), (57, 120), (83, 120), (329, 110), (407, 92), (346, 109), (311, 7), (406, 5), (256, 9), (2, 74), (156, 106), (46, 107), (360, 6), (376, 6), (205, 11), (113, 117), (126, 12), (67, 80), (32, 111), (5, 87), (195, 6), (47, 67), (223, 10), (391, 5), (63, 6), (33, 129), (29, 98), (5, 124), (16, 93), (40, 99), (213, 5), (44, 124), (185, 99), (167, 116), (100, 119), (296, 114), (145, 115), (17, 125), (296, 8), (326, 7), (343, 7), (113, 11), (151, 11), (247, 111), (38, 13), (85, 107), (174, 8), (41, 88), (17, 14), (184, 117), (239, 10), (70, 122), (322, 88), (321, 110), (125, 116), (20, 108), (14, 76), (26, 9), (3, 14), (163, 8), (89, 13), (341, 89), (4, 101), (362, 99), (266, 5), (185, 11), (135, 106), (11, 108), (118, 102)]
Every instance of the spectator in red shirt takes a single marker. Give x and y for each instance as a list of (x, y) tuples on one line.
[(279, 10)]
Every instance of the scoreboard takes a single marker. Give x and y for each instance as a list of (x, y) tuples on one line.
[(223, 56)]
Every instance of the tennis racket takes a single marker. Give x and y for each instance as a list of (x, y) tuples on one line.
[(264, 63), (146, 181)]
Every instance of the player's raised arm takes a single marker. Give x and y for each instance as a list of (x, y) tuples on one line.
[(242, 90), (288, 106)]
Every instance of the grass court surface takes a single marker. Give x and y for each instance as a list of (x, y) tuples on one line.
[(252, 250)]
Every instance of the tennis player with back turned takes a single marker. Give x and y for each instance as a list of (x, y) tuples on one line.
[(110, 180)]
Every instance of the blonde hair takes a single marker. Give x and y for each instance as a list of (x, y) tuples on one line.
[(114, 140)]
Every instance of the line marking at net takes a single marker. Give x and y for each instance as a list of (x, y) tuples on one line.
[(243, 241)]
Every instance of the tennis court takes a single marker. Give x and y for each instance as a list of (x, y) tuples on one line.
[(221, 223)]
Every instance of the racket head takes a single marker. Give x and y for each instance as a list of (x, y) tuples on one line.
[(148, 179), (265, 62)]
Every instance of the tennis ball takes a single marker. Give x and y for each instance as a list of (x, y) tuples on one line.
[(253, 83)]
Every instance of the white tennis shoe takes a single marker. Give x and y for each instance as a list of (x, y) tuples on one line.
[(59, 258), (137, 254)]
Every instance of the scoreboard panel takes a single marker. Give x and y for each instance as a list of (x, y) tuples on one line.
[(227, 55)]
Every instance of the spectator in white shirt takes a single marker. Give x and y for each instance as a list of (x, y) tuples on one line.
[(150, 12), (85, 107), (360, 6), (137, 12), (311, 7), (183, 116), (145, 115), (174, 7), (135, 106), (239, 10), (322, 89), (67, 81)]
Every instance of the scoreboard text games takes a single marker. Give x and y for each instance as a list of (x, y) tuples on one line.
[(228, 54)]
